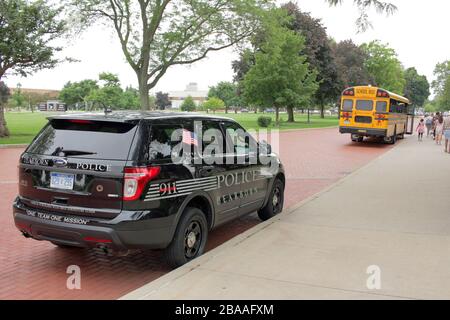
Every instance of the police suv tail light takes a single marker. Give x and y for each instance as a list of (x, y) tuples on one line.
[(136, 179)]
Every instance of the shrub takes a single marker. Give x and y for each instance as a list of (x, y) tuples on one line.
[(264, 121), (188, 105)]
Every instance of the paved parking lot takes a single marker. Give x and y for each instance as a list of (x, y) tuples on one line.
[(314, 159)]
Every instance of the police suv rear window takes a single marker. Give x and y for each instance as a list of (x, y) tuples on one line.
[(85, 139)]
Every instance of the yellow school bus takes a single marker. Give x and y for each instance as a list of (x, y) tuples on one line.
[(374, 112)]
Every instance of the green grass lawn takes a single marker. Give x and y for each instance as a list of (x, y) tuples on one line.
[(24, 126), (249, 121)]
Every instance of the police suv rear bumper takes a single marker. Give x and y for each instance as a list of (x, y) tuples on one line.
[(115, 235)]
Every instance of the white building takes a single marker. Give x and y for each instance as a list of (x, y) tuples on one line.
[(177, 97)]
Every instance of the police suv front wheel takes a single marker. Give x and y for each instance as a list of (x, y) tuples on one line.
[(276, 201), (190, 238)]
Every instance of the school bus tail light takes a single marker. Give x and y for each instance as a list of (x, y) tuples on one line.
[(349, 92)]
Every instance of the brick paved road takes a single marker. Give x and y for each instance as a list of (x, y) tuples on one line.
[(314, 159)]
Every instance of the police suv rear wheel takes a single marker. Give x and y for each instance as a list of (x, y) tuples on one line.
[(190, 238), (275, 204)]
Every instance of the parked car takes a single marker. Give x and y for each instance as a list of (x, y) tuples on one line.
[(110, 181)]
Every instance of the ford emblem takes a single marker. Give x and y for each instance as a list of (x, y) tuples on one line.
[(60, 162)]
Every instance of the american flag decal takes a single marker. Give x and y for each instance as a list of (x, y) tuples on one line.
[(190, 138)]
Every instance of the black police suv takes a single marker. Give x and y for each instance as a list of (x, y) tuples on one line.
[(125, 180)]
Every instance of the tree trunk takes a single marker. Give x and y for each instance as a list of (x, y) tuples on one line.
[(145, 100), (277, 115), (309, 116), (226, 109), (4, 132), (290, 111), (143, 92), (322, 110)]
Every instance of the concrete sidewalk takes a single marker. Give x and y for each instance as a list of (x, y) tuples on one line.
[(393, 213)]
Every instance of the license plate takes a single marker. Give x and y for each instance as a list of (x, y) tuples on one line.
[(346, 121), (362, 131), (61, 181)]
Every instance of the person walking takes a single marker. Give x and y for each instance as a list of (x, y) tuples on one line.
[(447, 133), (421, 129), (429, 124), (435, 119), (439, 129)]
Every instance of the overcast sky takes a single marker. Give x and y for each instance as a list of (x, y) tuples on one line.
[(419, 31)]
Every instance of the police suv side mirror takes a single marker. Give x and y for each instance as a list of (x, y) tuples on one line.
[(265, 148)]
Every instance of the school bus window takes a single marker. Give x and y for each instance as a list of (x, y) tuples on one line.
[(347, 105), (364, 105), (381, 106)]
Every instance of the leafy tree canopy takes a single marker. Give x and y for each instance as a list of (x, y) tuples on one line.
[(162, 100), (188, 104), (27, 29), (77, 92), (227, 92), (318, 52), (384, 66), (280, 76), (213, 104), (441, 73), (157, 34), (443, 99), (350, 60), (18, 98), (417, 87), (363, 23)]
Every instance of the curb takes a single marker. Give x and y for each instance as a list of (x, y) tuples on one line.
[(155, 285), (13, 146)]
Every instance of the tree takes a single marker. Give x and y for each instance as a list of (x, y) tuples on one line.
[(363, 22), (417, 87), (108, 95), (441, 73), (350, 60), (163, 100), (227, 92), (188, 105), (280, 76), (130, 99), (74, 93), (27, 31), (318, 52), (443, 99), (384, 67), (4, 96), (157, 34), (213, 104), (17, 97)]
